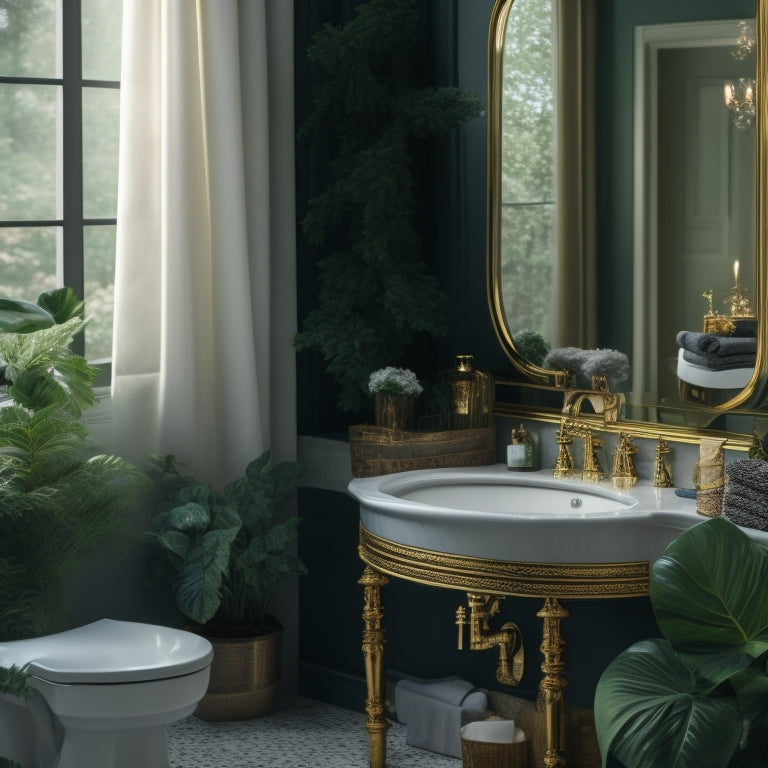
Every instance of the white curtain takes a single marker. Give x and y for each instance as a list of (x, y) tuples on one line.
[(203, 365)]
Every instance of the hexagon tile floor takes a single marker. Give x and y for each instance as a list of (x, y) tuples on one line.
[(299, 733)]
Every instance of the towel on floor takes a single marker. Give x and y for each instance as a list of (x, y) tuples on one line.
[(435, 711), (724, 363), (719, 346), (745, 501)]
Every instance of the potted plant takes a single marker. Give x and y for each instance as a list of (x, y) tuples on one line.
[(61, 499), (699, 696), (224, 553), (394, 393)]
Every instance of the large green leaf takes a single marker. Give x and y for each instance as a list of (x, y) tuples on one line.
[(198, 592), (189, 517), (650, 713), (176, 543), (62, 303), (708, 595), (23, 317)]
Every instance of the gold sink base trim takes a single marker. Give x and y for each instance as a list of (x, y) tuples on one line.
[(550, 581), (502, 577)]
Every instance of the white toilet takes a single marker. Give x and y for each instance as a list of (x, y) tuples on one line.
[(102, 695)]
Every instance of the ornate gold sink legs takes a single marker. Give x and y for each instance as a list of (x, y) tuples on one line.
[(551, 686), (373, 654)]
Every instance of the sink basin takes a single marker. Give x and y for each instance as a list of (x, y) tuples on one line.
[(490, 512), (518, 499)]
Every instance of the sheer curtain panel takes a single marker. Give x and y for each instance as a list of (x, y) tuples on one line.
[(205, 275)]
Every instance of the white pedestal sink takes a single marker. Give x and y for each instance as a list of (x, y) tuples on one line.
[(490, 512), (490, 532)]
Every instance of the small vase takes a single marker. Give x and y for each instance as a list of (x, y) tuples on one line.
[(393, 411)]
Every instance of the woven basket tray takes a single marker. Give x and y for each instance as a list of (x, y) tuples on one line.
[(382, 451)]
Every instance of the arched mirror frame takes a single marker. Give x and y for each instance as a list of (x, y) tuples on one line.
[(533, 376)]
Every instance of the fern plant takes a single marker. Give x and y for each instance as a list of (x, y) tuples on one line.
[(60, 499), (376, 297)]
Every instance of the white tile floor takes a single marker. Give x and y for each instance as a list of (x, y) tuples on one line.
[(300, 733)]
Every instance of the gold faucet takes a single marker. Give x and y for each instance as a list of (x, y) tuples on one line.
[(623, 472), (603, 401), (591, 471), (481, 609), (564, 461)]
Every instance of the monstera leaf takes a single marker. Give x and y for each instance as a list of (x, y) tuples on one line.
[(699, 696), (708, 595)]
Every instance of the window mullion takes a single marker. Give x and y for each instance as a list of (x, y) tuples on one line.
[(71, 267)]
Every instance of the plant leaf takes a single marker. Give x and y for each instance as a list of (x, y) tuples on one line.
[(708, 595), (175, 543), (198, 592), (18, 316), (63, 304), (189, 517), (650, 714)]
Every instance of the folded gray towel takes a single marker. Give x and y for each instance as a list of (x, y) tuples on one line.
[(745, 500), (435, 711), (719, 346), (752, 473), (715, 363)]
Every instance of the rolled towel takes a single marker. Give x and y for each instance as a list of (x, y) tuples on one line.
[(745, 501), (752, 473), (435, 711), (715, 363), (720, 346)]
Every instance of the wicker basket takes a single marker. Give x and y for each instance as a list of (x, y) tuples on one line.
[(382, 451), (486, 744)]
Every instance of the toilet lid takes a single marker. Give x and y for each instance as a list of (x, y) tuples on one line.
[(109, 651)]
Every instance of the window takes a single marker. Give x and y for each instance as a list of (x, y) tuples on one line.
[(59, 123)]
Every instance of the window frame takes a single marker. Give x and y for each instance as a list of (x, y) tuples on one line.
[(70, 262)]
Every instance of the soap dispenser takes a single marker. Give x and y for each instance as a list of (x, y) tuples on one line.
[(520, 453)]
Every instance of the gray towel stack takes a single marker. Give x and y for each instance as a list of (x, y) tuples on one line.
[(718, 352), (435, 711), (745, 501)]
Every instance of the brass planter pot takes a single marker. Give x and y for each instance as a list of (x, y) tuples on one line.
[(245, 677)]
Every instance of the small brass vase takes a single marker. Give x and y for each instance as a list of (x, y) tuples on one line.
[(393, 411)]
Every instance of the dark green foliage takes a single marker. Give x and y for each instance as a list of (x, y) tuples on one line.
[(532, 346), (376, 296), (13, 680), (35, 359), (59, 504), (226, 550), (699, 696), (60, 500)]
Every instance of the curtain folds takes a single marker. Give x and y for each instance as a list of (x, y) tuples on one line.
[(575, 306), (204, 285)]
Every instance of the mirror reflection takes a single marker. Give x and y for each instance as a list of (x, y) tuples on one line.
[(684, 205)]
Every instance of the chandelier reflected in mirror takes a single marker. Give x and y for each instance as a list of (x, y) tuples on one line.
[(740, 99), (740, 94)]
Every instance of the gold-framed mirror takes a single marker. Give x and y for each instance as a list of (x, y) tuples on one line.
[(554, 202)]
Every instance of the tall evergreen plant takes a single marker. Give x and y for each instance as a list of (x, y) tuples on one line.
[(376, 296)]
